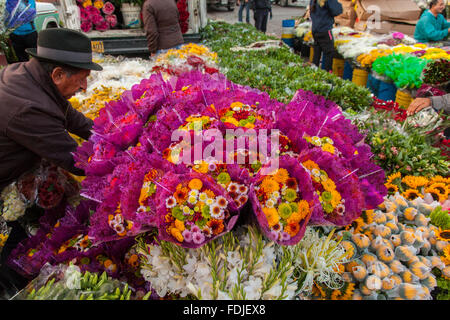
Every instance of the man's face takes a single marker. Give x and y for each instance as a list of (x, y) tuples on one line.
[(440, 6), (69, 85)]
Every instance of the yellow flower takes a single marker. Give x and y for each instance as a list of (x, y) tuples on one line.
[(310, 165), (269, 185), (442, 188), (437, 196), (303, 208), (233, 121), (394, 176), (98, 4), (328, 148), (412, 194), (201, 167), (236, 104), (446, 257), (443, 235), (87, 3), (329, 185), (391, 188), (281, 175), (336, 198)]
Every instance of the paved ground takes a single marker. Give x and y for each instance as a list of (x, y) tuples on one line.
[(274, 26)]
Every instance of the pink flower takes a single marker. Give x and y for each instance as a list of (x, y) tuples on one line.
[(195, 228), (394, 150), (187, 235), (198, 237), (83, 14), (86, 26), (398, 35), (382, 156), (108, 8), (97, 19), (408, 168), (91, 10), (102, 26), (112, 20)]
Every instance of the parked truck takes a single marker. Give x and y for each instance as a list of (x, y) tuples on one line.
[(132, 40), (230, 4)]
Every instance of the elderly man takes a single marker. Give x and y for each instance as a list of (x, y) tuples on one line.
[(36, 116), (432, 25)]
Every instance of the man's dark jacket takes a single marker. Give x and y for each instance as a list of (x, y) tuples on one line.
[(35, 121), (323, 17)]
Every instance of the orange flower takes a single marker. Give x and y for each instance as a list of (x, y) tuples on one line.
[(210, 194), (310, 165), (181, 194), (176, 234), (303, 209), (281, 175), (216, 225), (292, 229), (272, 216), (269, 185), (196, 184)]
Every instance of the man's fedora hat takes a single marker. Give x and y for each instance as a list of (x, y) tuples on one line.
[(64, 46)]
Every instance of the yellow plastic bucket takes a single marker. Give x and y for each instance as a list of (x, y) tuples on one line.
[(403, 99), (311, 54), (338, 67), (360, 77)]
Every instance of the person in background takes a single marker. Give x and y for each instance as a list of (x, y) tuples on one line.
[(438, 103), (322, 13), (432, 25), (36, 119), (261, 11), (244, 4), (161, 25), (24, 37)]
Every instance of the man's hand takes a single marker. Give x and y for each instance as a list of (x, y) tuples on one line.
[(417, 105)]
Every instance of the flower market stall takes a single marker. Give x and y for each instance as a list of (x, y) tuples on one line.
[(344, 199)]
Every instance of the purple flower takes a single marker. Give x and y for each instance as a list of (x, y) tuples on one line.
[(273, 235), (108, 8), (195, 228), (198, 237), (285, 236)]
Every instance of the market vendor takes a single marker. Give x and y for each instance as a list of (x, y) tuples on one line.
[(432, 25), (36, 116)]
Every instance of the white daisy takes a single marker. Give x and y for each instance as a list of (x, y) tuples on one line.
[(221, 202), (209, 201), (270, 203), (216, 211), (315, 172), (186, 210), (193, 193), (242, 189), (143, 209), (203, 197), (170, 203), (233, 187), (212, 166), (192, 200), (340, 209), (275, 195)]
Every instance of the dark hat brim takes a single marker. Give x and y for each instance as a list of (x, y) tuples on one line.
[(88, 66)]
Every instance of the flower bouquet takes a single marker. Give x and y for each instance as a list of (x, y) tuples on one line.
[(4, 232), (184, 15), (437, 73), (96, 16), (193, 209), (283, 200)]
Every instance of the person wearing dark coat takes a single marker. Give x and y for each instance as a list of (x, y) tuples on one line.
[(322, 13), (161, 25), (261, 11), (36, 118)]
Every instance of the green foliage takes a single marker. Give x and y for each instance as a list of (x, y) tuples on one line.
[(401, 149), (440, 218), (277, 71)]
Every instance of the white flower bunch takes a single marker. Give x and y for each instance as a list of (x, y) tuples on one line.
[(318, 259), (239, 265), (13, 204)]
